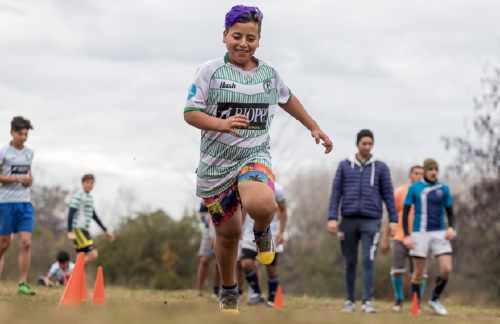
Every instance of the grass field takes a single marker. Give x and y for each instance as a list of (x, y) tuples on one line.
[(153, 306)]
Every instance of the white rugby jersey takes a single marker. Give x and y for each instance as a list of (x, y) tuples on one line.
[(15, 163), (221, 89), (83, 202), (248, 236)]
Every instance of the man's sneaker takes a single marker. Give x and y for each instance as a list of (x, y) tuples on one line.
[(229, 303), (265, 246), (25, 289), (214, 296), (367, 307), (398, 306), (349, 307), (269, 304), (437, 307), (255, 299)]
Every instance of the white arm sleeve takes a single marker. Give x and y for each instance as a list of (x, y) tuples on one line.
[(283, 90), (198, 91)]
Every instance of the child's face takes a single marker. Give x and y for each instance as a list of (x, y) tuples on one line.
[(88, 185), (20, 136), (242, 41), (63, 265)]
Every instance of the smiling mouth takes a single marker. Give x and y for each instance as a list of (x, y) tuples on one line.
[(241, 52)]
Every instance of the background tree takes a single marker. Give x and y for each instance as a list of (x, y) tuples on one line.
[(476, 248)]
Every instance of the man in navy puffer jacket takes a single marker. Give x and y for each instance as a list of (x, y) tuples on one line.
[(362, 182)]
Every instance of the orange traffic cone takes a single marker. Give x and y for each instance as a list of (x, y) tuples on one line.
[(278, 300), (85, 296), (98, 297), (72, 295), (415, 307)]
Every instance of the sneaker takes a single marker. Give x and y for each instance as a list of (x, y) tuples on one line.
[(229, 303), (367, 307), (25, 289), (214, 296), (255, 299), (269, 304), (265, 247), (437, 307), (349, 307), (241, 297), (398, 306)]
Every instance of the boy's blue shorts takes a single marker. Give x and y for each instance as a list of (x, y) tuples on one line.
[(16, 217)]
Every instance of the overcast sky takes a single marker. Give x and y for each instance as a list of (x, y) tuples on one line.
[(105, 82)]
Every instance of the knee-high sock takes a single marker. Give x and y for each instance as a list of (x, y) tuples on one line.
[(253, 281), (440, 284), (397, 285), (422, 287), (272, 284), (415, 289)]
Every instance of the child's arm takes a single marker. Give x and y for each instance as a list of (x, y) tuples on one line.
[(109, 234), (296, 110), (203, 121), (71, 214)]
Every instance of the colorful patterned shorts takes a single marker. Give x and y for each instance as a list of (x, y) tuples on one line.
[(224, 205)]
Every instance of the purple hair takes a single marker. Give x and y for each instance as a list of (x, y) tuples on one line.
[(243, 14)]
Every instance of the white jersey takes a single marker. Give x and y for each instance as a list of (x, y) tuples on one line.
[(83, 202), (248, 236), (56, 271), (15, 163), (221, 89)]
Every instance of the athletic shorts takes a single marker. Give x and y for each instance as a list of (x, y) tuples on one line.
[(83, 243), (430, 241), (16, 217), (224, 205), (206, 248), (400, 254), (250, 254)]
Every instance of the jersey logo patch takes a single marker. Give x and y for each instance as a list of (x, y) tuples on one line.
[(267, 85), (439, 193), (256, 112), (192, 91), (20, 169)]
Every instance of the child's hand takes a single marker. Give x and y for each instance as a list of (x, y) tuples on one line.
[(318, 135), (111, 236), (229, 125), (71, 236)]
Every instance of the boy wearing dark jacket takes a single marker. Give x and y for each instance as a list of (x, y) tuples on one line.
[(362, 182)]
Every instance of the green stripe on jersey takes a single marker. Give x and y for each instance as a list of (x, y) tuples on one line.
[(216, 95), (84, 205), (220, 150)]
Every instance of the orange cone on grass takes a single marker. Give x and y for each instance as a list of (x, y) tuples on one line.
[(98, 297), (415, 307), (278, 300), (72, 295), (85, 296)]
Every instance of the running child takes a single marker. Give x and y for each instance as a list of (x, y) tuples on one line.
[(60, 270), (233, 100), (400, 254), (81, 213), (431, 198), (249, 251), (17, 214)]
